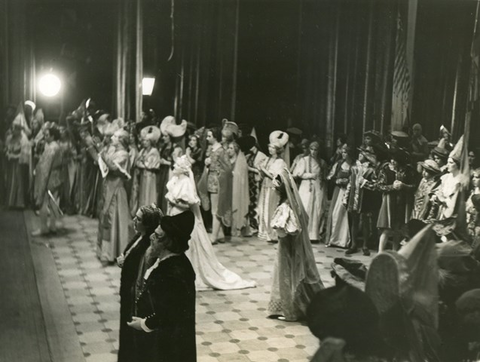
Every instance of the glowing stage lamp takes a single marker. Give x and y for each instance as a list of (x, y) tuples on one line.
[(49, 85), (147, 86)]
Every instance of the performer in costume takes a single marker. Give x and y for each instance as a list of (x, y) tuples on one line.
[(254, 158), (48, 182), (312, 190), (146, 220), (170, 151), (269, 198), (337, 223), (114, 219), (211, 274), (295, 274), (148, 164), (164, 319)]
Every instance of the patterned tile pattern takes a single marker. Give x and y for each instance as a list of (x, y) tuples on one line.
[(231, 325)]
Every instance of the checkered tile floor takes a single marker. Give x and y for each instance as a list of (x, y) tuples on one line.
[(231, 325)]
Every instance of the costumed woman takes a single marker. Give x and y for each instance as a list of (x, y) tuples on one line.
[(195, 155), (337, 223), (48, 183), (17, 152), (170, 151), (312, 189), (145, 221), (240, 199), (182, 195), (473, 205), (430, 181), (269, 198), (254, 158), (148, 164), (114, 219), (295, 275)]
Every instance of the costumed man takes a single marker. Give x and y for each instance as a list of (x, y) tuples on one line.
[(210, 186), (255, 158), (418, 144), (361, 200), (165, 295)]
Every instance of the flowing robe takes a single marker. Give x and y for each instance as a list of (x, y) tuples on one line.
[(240, 200), (114, 219)]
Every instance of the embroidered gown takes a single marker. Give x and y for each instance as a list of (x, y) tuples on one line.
[(210, 273), (114, 219), (312, 193), (269, 199), (295, 276), (254, 179), (148, 163), (337, 224)]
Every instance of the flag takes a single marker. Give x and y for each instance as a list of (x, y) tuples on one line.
[(401, 79)]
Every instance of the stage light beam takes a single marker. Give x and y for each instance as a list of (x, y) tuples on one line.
[(49, 85), (147, 86)]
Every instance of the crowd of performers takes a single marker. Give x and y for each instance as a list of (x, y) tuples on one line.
[(382, 192)]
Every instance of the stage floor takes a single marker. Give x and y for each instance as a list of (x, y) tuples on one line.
[(231, 325)]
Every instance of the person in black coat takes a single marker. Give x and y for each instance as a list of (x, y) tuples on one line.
[(146, 221), (164, 320)]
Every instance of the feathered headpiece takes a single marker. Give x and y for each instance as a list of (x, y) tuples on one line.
[(170, 127)]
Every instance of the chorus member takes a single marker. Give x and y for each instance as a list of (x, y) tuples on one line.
[(295, 275), (255, 158), (164, 319), (440, 156), (146, 220), (361, 200), (312, 189), (473, 205), (418, 144), (337, 223), (114, 218), (269, 198), (48, 182), (17, 156), (69, 170), (217, 165), (305, 152), (172, 134), (148, 163), (210, 273), (427, 187), (396, 182), (240, 195), (195, 155)]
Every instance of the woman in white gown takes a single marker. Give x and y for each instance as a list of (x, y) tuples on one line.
[(182, 195)]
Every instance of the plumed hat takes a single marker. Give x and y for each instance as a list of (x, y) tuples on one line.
[(102, 122), (431, 166), (278, 139), (151, 133), (440, 152), (170, 127), (179, 227), (110, 128), (229, 126)]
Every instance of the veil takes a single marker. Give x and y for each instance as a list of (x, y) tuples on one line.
[(304, 269)]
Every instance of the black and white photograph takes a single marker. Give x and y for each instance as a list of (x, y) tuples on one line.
[(240, 180)]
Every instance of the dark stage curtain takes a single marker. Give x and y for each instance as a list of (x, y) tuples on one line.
[(346, 67), (128, 63)]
